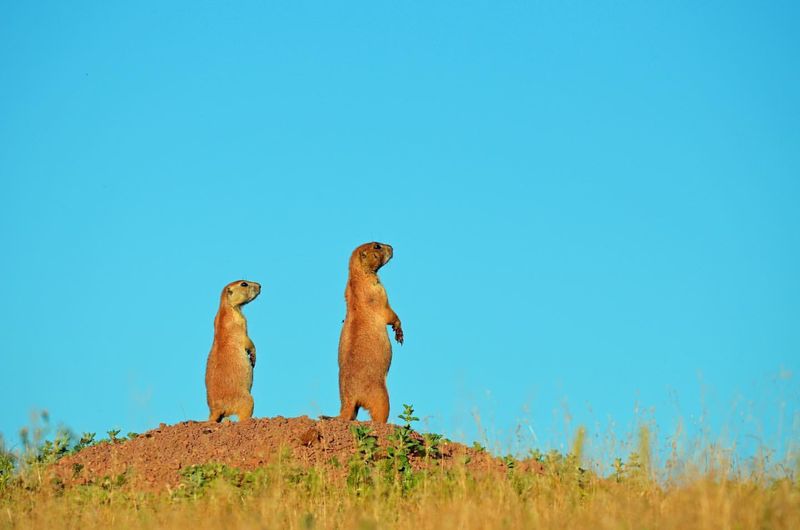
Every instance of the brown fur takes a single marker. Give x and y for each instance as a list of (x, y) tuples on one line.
[(365, 352), (229, 371)]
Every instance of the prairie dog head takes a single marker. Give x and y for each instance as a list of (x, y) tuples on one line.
[(240, 292), (370, 257)]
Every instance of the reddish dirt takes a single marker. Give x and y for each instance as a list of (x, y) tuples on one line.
[(153, 460)]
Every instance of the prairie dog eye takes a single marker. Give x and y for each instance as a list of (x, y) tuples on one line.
[(377, 246), (243, 284)]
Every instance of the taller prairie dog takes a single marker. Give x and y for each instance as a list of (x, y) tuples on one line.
[(365, 352), (229, 370)]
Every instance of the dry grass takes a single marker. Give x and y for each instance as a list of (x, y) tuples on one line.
[(714, 495)]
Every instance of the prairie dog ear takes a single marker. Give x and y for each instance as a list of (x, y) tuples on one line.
[(363, 254), (230, 291)]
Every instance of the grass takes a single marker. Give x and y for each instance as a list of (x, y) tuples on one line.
[(380, 490)]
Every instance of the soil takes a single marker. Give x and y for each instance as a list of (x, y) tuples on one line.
[(154, 460)]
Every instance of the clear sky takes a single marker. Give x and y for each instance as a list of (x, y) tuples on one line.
[(593, 206)]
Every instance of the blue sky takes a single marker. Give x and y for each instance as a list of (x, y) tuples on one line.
[(594, 209)]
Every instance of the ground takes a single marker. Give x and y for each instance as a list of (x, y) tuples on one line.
[(154, 460)]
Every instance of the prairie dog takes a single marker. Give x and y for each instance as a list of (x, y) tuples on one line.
[(365, 352), (229, 370)]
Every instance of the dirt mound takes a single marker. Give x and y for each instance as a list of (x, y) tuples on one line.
[(154, 460)]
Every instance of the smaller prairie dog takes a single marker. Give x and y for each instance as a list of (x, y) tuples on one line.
[(229, 371)]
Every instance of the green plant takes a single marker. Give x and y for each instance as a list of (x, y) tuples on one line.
[(48, 451), (366, 442), (7, 466), (408, 415), (112, 435), (359, 476), (195, 480), (86, 440), (432, 444), (536, 455), (619, 470), (36, 447), (403, 444)]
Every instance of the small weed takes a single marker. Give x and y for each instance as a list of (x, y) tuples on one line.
[(86, 440), (49, 451), (408, 415), (359, 476), (619, 470), (537, 455), (432, 445), (195, 480), (7, 466), (112, 435), (366, 442), (403, 444)]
